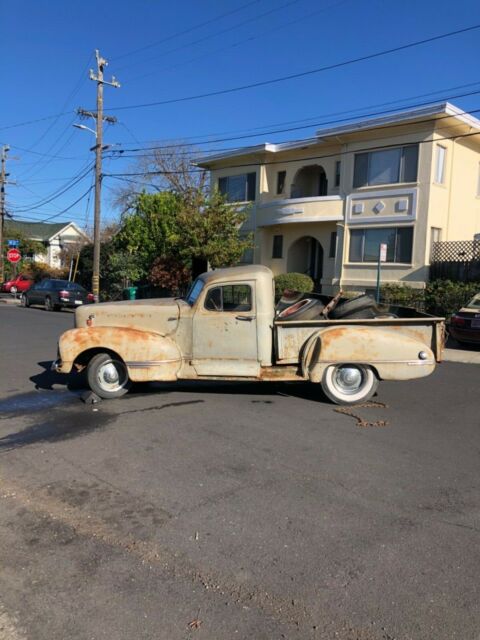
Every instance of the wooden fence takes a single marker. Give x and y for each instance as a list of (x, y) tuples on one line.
[(456, 260)]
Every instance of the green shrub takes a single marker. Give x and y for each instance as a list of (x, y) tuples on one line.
[(402, 295), (294, 282), (440, 297), (444, 297)]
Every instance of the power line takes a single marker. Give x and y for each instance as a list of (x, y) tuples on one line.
[(240, 42), (185, 31), (213, 35), (302, 74), (320, 157), (317, 124), (59, 192), (26, 122), (326, 115)]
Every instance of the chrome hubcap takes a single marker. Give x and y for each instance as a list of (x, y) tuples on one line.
[(348, 379), (112, 376)]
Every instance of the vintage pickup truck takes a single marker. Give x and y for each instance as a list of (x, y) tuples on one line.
[(228, 328)]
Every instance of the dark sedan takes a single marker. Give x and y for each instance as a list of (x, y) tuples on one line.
[(56, 294), (465, 324)]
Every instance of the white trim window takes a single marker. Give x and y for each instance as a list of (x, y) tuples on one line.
[(386, 166), (440, 162), (365, 244)]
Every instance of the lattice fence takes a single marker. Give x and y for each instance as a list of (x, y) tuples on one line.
[(456, 260)]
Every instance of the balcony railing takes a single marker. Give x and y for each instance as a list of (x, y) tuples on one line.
[(294, 210)]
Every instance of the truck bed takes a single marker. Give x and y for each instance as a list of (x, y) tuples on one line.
[(291, 335)]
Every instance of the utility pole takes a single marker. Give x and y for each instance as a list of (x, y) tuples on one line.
[(3, 181), (98, 148)]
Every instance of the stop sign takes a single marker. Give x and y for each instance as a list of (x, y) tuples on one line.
[(14, 255)]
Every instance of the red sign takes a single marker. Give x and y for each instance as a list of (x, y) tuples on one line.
[(14, 255)]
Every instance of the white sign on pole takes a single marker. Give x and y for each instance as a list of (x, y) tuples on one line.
[(383, 252)]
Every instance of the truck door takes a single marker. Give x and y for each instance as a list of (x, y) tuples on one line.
[(225, 331)]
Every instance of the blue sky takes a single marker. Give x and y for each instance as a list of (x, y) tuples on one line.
[(161, 51)]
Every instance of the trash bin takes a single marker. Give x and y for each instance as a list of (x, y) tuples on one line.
[(130, 293)]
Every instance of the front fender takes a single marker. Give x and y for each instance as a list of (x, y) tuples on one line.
[(148, 355), (393, 355)]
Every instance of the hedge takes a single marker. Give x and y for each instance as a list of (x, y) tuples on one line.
[(440, 297), (294, 282)]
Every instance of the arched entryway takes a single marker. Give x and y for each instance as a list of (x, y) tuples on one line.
[(305, 255), (309, 182)]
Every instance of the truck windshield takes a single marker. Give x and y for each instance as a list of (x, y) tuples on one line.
[(194, 292)]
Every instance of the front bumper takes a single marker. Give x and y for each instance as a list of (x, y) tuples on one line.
[(56, 366)]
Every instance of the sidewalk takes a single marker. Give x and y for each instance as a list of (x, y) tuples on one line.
[(462, 354), (7, 298)]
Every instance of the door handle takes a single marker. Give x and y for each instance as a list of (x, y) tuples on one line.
[(245, 318)]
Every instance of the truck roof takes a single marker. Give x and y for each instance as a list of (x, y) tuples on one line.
[(245, 272)]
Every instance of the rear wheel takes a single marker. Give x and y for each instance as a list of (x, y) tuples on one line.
[(13, 290), (108, 376), (48, 304), (349, 383)]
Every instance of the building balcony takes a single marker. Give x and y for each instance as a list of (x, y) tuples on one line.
[(295, 210)]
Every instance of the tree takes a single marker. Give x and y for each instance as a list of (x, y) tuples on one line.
[(27, 248), (167, 231)]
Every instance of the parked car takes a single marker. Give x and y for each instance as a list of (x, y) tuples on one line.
[(465, 324), (56, 294), (19, 284)]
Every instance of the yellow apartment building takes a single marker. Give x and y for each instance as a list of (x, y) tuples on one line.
[(323, 205)]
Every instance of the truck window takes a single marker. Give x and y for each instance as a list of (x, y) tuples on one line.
[(232, 297), (194, 292)]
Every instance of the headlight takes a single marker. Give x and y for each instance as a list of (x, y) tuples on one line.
[(423, 355)]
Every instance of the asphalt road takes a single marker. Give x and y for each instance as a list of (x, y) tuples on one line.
[(233, 511)]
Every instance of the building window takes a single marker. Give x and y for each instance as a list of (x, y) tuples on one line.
[(236, 297), (338, 165), (388, 166), (440, 157), (333, 245), (238, 188), (365, 244), (277, 251), (281, 176)]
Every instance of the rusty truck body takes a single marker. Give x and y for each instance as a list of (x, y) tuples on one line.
[(228, 328)]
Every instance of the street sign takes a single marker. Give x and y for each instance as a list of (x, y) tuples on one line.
[(14, 255), (383, 253), (13, 243)]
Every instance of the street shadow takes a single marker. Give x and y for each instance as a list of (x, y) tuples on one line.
[(267, 390), (47, 378), (76, 382)]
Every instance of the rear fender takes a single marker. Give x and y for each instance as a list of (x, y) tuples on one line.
[(391, 354), (148, 356)]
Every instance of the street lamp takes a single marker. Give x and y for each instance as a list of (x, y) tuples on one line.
[(82, 126)]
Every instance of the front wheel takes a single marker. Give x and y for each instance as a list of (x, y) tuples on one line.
[(108, 376), (24, 301), (349, 383)]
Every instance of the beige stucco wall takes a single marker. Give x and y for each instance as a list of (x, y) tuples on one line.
[(453, 207)]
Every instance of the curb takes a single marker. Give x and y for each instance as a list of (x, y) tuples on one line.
[(460, 355)]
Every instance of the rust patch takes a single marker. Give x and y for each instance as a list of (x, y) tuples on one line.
[(361, 422)]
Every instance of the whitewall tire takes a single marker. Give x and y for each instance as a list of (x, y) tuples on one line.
[(349, 383)]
